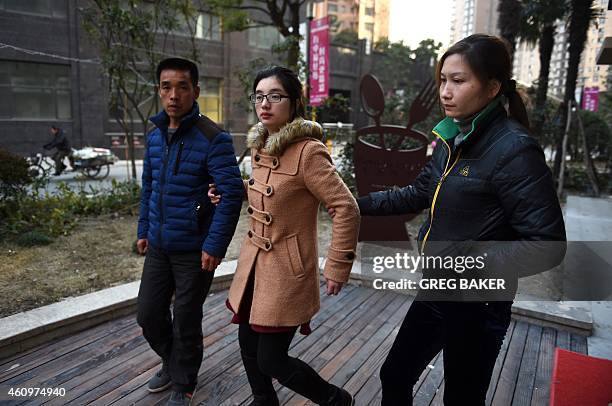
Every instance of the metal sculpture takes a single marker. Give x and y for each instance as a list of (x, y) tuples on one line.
[(380, 167)]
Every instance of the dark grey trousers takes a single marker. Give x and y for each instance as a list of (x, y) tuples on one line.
[(176, 337)]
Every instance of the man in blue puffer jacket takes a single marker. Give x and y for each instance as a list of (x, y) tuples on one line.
[(182, 234)]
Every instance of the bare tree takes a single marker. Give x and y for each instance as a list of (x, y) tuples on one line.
[(284, 15), (132, 37)]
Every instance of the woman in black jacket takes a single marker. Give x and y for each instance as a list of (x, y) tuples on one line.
[(488, 190)]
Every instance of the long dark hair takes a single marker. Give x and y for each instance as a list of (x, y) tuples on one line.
[(290, 83), (489, 59)]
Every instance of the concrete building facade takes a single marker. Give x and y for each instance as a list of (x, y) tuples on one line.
[(50, 75), (480, 16), (368, 18), (473, 16)]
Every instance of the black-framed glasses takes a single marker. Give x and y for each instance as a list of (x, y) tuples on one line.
[(258, 98)]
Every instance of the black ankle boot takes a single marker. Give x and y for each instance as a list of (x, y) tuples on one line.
[(261, 385), (308, 383), (339, 397)]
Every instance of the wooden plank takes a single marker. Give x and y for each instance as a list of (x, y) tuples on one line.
[(222, 353), (499, 363), (102, 365), (82, 355), (39, 355), (365, 383), (425, 393), (125, 372), (238, 390), (329, 315), (352, 355), (224, 350), (578, 343), (438, 399), (93, 376), (218, 365), (526, 377), (358, 359), (325, 350), (351, 338), (45, 353), (134, 392), (563, 340), (368, 314), (507, 379), (543, 374)]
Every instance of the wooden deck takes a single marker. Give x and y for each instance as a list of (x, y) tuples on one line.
[(111, 363)]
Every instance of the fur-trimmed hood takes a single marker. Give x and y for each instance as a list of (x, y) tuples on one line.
[(293, 131)]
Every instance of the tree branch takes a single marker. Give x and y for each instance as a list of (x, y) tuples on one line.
[(263, 10)]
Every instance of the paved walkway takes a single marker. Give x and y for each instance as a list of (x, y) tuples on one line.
[(590, 219)]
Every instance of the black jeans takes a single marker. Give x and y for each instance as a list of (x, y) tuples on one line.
[(273, 360), (470, 335), (58, 158), (177, 339)]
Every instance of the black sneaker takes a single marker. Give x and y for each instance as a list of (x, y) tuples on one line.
[(160, 381), (180, 398)]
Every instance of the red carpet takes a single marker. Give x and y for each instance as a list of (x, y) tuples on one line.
[(580, 380)]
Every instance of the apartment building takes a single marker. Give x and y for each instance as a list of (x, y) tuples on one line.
[(369, 18)]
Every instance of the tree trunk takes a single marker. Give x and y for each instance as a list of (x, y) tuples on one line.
[(509, 11), (568, 115), (293, 57), (580, 20), (130, 141), (588, 162), (546, 43)]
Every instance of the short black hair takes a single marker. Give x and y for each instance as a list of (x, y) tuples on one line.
[(179, 64), (290, 82)]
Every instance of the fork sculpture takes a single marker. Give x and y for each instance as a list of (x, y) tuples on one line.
[(420, 107)]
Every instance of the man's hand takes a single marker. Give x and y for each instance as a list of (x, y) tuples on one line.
[(142, 245), (212, 190), (331, 211), (333, 287), (209, 263)]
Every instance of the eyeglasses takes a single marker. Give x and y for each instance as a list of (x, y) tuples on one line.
[(258, 98)]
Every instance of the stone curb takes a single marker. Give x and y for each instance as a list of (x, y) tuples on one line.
[(23, 331)]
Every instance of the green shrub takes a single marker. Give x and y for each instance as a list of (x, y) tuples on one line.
[(57, 214), (33, 238), (14, 175), (576, 179)]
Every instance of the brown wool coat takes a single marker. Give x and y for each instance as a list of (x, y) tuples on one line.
[(292, 174)]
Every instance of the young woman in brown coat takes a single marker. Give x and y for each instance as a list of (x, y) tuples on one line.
[(276, 285)]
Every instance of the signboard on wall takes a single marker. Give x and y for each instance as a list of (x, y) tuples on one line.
[(590, 99), (319, 60)]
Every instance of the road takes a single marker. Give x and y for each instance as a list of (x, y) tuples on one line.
[(75, 180)]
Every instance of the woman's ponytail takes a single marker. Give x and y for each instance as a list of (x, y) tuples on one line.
[(516, 106)]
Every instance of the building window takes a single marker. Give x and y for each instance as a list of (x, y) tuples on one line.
[(204, 26), (332, 8), (34, 91), (209, 27), (369, 11), (52, 8), (264, 37), (210, 99)]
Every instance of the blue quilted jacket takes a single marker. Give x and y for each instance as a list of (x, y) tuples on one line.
[(175, 212)]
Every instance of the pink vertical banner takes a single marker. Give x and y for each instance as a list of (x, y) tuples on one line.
[(590, 99), (319, 60)]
